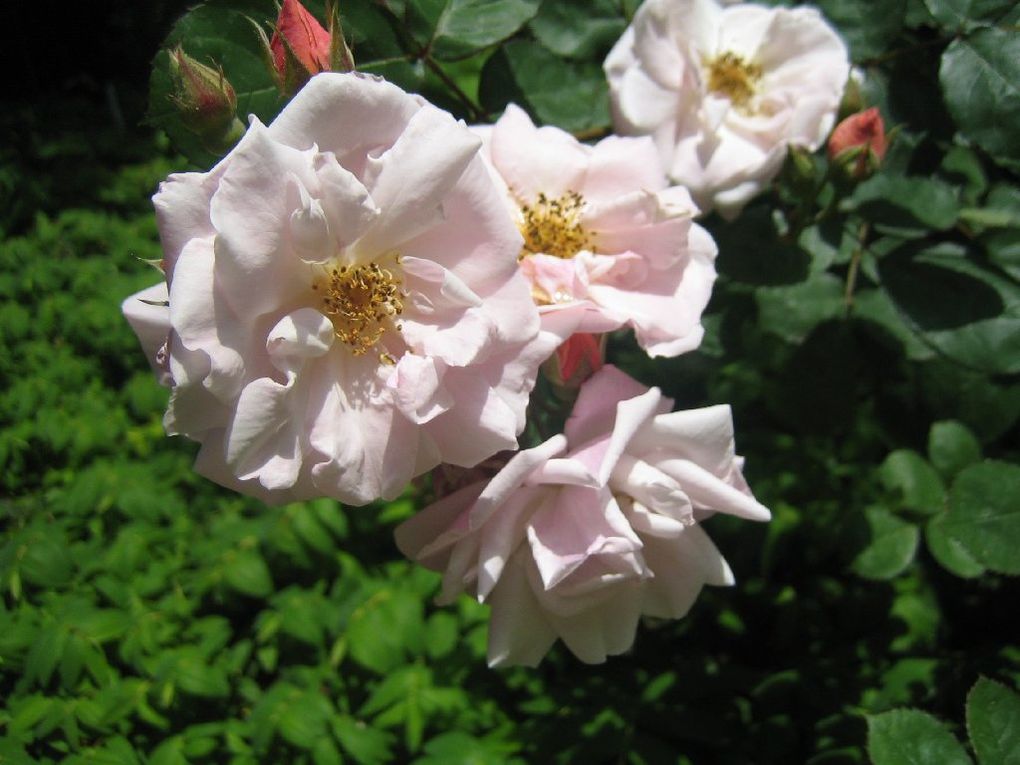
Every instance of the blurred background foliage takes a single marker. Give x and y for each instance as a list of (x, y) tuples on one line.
[(866, 336)]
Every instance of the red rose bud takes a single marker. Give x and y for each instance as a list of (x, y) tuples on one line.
[(205, 100), (859, 142), (299, 31), (300, 47)]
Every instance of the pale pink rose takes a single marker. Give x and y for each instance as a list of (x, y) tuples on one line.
[(579, 537), (607, 241), (724, 91), (345, 308)]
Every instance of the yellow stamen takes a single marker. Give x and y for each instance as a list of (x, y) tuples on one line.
[(553, 226), (362, 301), (733, 77)]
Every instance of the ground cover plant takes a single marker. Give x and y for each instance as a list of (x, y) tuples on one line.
[(863, 330)]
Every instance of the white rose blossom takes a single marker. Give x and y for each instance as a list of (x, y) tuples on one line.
[(345, 309), (726, 90), (581, 536)]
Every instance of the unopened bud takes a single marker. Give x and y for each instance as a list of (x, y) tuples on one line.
[(858, 143), (204, 99), (576, 360), (301, 47), (802, 167)]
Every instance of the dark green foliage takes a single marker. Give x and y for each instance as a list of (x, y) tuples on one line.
[(866, 338)]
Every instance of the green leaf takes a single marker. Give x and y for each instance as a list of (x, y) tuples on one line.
[(466, 26), (989, 407), (398, 699), (46, 561), (984, 514), (993, 721), (900, 683), (1004, 250), (906, 205), (952, 14), (102, 625), (365, 744), (459, 748), (822, 377), (115, 751), (13, 753), (302, 614), (952, 447), (752, 250), (907, 472), (917, 610), (169, 753), (962, 165), (978, 327), (980, 77), (1004, 198), (45, 653), (950, 554), (911, 737), (307, 526), (867, 27), (571, 95), (246, 572), (303, 720), (791, 312), (441, 634), (578, 28), (324, 752), (892, 547), (385, 628), (73, 659), (198, 678), (26, 712), (876, 306)]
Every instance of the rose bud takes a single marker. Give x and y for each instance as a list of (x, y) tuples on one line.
[(576, 360), (859, 143), (205, 100), (301, 47)]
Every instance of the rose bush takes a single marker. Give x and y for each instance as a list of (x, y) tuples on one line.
[(582, 535), (345, 308), (607, 241), (724, 91)]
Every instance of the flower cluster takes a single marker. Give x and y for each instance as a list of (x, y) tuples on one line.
[(366, 289)]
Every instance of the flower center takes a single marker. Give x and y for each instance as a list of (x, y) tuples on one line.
[(553, 226), (732, 76), (361, 301)]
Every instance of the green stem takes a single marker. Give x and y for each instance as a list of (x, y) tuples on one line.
[(476, 112), (855, 265)]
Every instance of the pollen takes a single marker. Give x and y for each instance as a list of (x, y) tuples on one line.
[(553, 226), (362, 301), (733, 77)]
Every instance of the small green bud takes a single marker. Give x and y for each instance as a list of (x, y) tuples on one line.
[(204, 99)]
